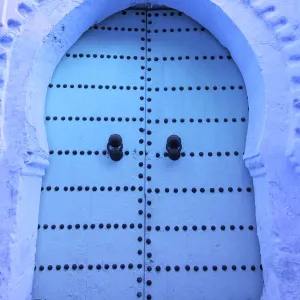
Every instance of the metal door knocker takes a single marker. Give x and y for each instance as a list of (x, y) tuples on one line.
[(115, 147), (174, 147)]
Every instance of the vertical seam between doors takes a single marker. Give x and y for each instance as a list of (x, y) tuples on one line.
[(145, 153)]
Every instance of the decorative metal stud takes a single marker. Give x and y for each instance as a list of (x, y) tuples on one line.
[(174, 147), (115, 147)]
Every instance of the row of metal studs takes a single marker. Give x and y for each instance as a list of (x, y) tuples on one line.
[(137, 29), (141, 119), (140, 226), (89, 267), (176, 268), (157, 89), (165, 154), (164, 58), (141, 188), (91, 226), (157, 14)]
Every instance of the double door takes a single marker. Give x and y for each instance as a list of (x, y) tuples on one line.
[(147, 225)]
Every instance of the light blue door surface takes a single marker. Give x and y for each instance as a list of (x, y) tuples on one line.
[(147, 226)]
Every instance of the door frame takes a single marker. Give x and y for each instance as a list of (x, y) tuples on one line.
[(263, 43)]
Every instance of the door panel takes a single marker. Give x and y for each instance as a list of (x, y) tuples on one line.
[(78, 136), (212, 106), (194, 167), (93, 284), (86, 73), (103, 241), (188, 71), (204, 206), (147, 227), (201, 235), (126, 19), (90, 234), (72, 104), (114, 31), (69, 170), (103, 207), (196, 286), (212, 137)]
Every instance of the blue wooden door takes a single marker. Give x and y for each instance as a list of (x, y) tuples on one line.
[(150, 225)]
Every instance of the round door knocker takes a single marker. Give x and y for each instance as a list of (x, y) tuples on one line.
[(174, 147), (115, 147)]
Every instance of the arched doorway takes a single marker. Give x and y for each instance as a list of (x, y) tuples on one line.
[(147, 226)]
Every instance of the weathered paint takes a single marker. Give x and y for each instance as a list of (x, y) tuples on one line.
[(263, 38)]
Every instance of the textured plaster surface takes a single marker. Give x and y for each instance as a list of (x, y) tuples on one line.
[(263, 37)]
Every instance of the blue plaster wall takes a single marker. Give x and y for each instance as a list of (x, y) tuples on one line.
[(263, 38)]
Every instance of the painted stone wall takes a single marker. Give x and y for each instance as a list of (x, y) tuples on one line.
[(263, 37)]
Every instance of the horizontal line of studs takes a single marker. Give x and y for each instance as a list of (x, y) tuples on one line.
[(195, 228), (172, 58), (156, 89), (141, 188), (165, 154), (175, 30), (117, 28), (142, 29), (90, 226), (199, 120), (137, 13), (149, 121), (204, 268), (171, 13), (140, 226), (201, 190), (89, 267), (91, 188), (164, 58), (106, 119), (202, 154), (168, 268)]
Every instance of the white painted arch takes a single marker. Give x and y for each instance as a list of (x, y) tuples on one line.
[(261, 42)]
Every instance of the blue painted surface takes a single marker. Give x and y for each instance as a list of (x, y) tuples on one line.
[(212, 123), (200, 193), (110, 251), (44, 37)]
